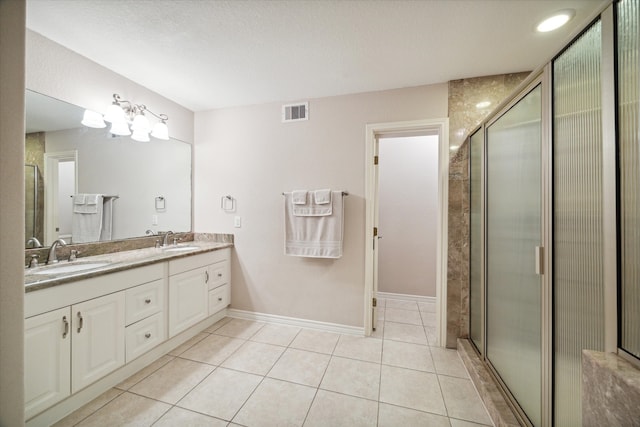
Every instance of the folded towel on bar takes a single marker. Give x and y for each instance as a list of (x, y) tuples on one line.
[(90, 206), (107, 218), (314, 236), (311, 207), (86, 224), (322, 197), (299, 197)]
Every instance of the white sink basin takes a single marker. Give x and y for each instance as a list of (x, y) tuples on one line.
[(67, 268), (179, 248)]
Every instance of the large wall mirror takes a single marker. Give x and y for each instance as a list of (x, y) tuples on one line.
[(142, 185)]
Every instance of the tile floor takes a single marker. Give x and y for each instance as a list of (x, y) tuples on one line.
[(244, 373)]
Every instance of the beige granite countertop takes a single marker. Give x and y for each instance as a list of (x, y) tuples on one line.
[(117, 261)]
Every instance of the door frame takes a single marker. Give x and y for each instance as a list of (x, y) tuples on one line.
[(438, 127), (51, 185)]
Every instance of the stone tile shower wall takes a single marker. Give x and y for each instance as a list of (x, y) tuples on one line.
[(464, 116)]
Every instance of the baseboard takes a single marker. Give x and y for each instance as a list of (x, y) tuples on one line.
[(293, 321), (406, 297)]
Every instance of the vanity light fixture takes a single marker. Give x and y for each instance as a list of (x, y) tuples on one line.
[(555, 21), (127, 118)]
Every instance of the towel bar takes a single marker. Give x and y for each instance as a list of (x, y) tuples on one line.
[(344, 193)]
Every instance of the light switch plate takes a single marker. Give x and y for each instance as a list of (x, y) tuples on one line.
[(237, 222)]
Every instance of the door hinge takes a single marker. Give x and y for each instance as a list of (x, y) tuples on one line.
[(539, 262), (375, 231), (375, 160), (375, 302)]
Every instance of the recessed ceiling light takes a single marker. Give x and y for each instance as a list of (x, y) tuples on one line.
[(483, 104), (555, 21)]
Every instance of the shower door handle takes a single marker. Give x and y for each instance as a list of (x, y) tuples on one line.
[(540, 260)]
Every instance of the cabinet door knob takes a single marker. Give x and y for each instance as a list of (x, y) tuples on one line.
[(206, 277), (220, 299), (80, 322), (219, 274), (147, 335), (147, 301), (65, 322)]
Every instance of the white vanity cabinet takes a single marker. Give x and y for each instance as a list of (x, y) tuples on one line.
[(190, 281)]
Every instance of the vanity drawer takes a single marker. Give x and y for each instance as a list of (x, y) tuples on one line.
[(144, 335), (219, 298), (218, 274), (144, 300)]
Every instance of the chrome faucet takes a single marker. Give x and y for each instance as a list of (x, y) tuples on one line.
[(52, 259), (165, 240), (36, 243)]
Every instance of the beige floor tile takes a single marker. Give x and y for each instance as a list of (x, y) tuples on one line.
[(214, 349), (127, 410), (447, 362), (239, 328), (254, 358), (276, 334), (182, 417), (407, 355), (220, 323), (188, 344), (428, 307), (144, 372), (276, 403), (461, 423), (221, 394), (80, 414), (395, 416), (402, 304), (352, 377), (405, 333), (432, 335), (411, 389), (318, 341), (462, 401), (382, 302), (361, 348), (339, 410), (403, 316), (428, 319), (171, 382), (302, 367), (381, 313)]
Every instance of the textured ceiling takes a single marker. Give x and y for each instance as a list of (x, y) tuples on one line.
[(206, 54)]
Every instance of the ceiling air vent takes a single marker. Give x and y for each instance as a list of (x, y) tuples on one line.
[(295, 112)]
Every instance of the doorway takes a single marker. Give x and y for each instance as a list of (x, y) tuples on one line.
[(437, 129), (61, 177)]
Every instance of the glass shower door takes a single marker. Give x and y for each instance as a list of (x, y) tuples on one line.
[(514, 230)]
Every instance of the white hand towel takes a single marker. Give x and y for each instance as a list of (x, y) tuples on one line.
[(299, 197), (87, 226), (322, 197), (79, 199), (89, 204), (92, 199)]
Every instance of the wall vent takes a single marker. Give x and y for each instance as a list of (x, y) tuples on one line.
[(295, 112)]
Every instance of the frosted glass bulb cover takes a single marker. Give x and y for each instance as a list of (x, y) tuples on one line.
[(141, 123), (114, 114), (141, 136), (556, 21), (93, 119), (120, 128), (160, 131)]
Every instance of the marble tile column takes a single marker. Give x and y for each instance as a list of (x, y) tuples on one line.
[(465, 114)]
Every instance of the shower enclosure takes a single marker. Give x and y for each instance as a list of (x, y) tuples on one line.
[(33, 187)]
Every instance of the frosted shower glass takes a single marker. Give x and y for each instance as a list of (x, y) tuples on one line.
[(513, 232), (578, 220), (475, 263), (629, 137)]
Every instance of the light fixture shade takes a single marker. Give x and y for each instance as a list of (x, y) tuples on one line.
[(141, 123), (140, 135), (93, 119), (160, 131), (114, 114), (120, 128)]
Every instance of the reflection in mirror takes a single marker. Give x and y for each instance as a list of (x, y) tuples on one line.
[(84, 184)]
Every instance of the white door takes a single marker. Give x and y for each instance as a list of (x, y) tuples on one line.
[(98, 345), (188, 299), (47, 360), (52, 201)]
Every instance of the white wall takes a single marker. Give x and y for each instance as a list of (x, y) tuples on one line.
[(12, 21), (63, 74), (408, 215), (249, 154)]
